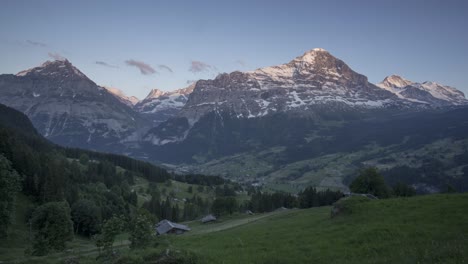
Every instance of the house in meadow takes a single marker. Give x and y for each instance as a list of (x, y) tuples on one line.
[(168, 227), (208, 218)]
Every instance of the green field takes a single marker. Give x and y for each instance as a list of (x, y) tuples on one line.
[(424, 229), (428, 229)]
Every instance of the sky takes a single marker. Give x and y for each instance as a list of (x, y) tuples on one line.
[(137, 46)]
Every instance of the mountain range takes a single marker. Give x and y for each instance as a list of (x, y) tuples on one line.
[(309, 85), (311, 121)]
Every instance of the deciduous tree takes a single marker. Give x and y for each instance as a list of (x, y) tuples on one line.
[(142, 229), (53, 227), (370, 181)]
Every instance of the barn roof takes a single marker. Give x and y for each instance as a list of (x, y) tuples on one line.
[(165, 226), (208, 218)]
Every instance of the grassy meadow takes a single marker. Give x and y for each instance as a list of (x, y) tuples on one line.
[(424, 229)]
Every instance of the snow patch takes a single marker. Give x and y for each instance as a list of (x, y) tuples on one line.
[(262, 103), (318, 49), (297, 100)]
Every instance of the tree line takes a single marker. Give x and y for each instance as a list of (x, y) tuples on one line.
[(262, 202)]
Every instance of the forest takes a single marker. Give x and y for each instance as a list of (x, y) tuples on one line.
[(95, 195)]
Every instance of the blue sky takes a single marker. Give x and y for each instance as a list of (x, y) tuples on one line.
[(182, 41)]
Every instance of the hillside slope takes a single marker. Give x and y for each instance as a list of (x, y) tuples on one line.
[(425, 229), (326, 152)]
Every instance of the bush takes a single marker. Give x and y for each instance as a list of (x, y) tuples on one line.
[(348, 205), (403, 190)]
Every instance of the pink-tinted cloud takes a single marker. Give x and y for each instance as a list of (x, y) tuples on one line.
[(144, 68), (165, 67), (36, 43), (199, 66), (105, 64), (241, 63), (56, 56)]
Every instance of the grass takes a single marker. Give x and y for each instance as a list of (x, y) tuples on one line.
[(424, 229), (226, 222), (18, 234), (428, 229)]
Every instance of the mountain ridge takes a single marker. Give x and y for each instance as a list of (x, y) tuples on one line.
[(121, 96), (68, 108), (316, 77), (307, 85), (426, 92), (160, 105)]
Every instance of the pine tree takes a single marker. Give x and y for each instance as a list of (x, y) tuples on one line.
[(9, 186)]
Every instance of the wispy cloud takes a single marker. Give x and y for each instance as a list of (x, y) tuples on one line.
[(56, 56), (36, 43), (144, 68), (105, 64), (241, 63), (165, 67), (199, 66)]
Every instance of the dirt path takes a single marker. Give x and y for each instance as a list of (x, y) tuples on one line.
[(209, 228)]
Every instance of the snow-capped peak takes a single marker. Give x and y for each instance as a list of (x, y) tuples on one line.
[(154, 93), (319, 49), (316, 68), (311, 55), (394, 81), (50, 68), (161, 105), (128, 100), (426, 92)]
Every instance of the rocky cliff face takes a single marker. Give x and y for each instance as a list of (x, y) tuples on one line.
[(315, 78), (428, 93), (310, 85), (68, 108)]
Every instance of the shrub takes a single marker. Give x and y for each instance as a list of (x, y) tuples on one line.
[(348, 205)]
